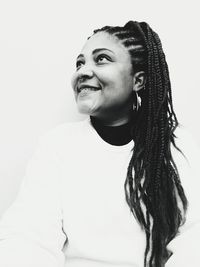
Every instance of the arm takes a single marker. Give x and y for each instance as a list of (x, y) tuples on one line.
[(31, 229)]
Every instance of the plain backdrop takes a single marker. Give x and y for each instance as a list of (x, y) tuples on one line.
[(39, 41)]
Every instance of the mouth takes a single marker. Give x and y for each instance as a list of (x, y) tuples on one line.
[(87, 92), (87, 88)]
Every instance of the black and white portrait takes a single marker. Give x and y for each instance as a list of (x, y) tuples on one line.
[(99, 133)]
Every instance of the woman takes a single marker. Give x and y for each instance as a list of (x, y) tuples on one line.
[(85, 177), (133, 63)]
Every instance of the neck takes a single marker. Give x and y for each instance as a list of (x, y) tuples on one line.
[(115, 133)]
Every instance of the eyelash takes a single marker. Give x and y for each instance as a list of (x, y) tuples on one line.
[(99, 56)]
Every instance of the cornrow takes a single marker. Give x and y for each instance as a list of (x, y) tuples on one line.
[(152, 186)]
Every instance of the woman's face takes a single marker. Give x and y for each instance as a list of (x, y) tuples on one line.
[(103, 83)]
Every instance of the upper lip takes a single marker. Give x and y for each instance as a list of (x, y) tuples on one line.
[(81, 86)]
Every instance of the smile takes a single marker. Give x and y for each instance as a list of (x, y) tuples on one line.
[(88, 90), (87, 87)]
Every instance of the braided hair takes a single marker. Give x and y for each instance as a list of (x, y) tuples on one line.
[(153, 188)]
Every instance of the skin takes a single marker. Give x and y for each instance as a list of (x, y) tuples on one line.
[(110, 70)]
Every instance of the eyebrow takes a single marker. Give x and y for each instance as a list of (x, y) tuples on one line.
[(96, 51)]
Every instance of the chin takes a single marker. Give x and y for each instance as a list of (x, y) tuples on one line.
[(87, 107), (84, 109)]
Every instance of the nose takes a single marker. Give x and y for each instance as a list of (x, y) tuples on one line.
[(85, 72), (82, 74)]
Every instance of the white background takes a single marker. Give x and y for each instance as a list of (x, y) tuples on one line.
[(39, 41)]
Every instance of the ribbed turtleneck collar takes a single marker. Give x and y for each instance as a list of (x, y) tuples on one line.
[(114, 135)]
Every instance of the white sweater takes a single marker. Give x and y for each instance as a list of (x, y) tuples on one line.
[(71, 209)]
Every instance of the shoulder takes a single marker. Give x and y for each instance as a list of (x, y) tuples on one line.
[(188, 168), (189, 147), (66, 138), (64, 132)]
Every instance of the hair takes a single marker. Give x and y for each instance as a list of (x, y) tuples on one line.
[(153, 188)]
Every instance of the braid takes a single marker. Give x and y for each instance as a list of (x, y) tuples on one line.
[(152, 186)]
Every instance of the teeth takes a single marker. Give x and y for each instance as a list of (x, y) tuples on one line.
[(89, 89)]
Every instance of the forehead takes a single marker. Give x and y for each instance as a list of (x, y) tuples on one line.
[(104, 40)]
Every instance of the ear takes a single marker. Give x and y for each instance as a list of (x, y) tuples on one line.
[(139, 79)]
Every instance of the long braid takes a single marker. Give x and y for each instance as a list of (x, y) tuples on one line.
[(152, 186)]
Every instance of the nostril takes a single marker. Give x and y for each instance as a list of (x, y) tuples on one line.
[(85, 72), (82, 78)]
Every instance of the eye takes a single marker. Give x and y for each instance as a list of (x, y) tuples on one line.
[(79, 63), (101, 57)]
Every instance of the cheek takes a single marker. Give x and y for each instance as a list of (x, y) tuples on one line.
[(109, 78), (116, 82), (117, 76), (126, 81)]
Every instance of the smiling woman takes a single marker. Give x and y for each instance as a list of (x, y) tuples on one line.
[(106, 191), (110, 71)]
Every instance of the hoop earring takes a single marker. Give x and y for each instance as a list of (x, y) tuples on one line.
[(138, 103)]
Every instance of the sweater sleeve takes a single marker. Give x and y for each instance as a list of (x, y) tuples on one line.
[(31, 232)]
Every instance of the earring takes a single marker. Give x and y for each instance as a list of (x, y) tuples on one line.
[(138, 103)]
